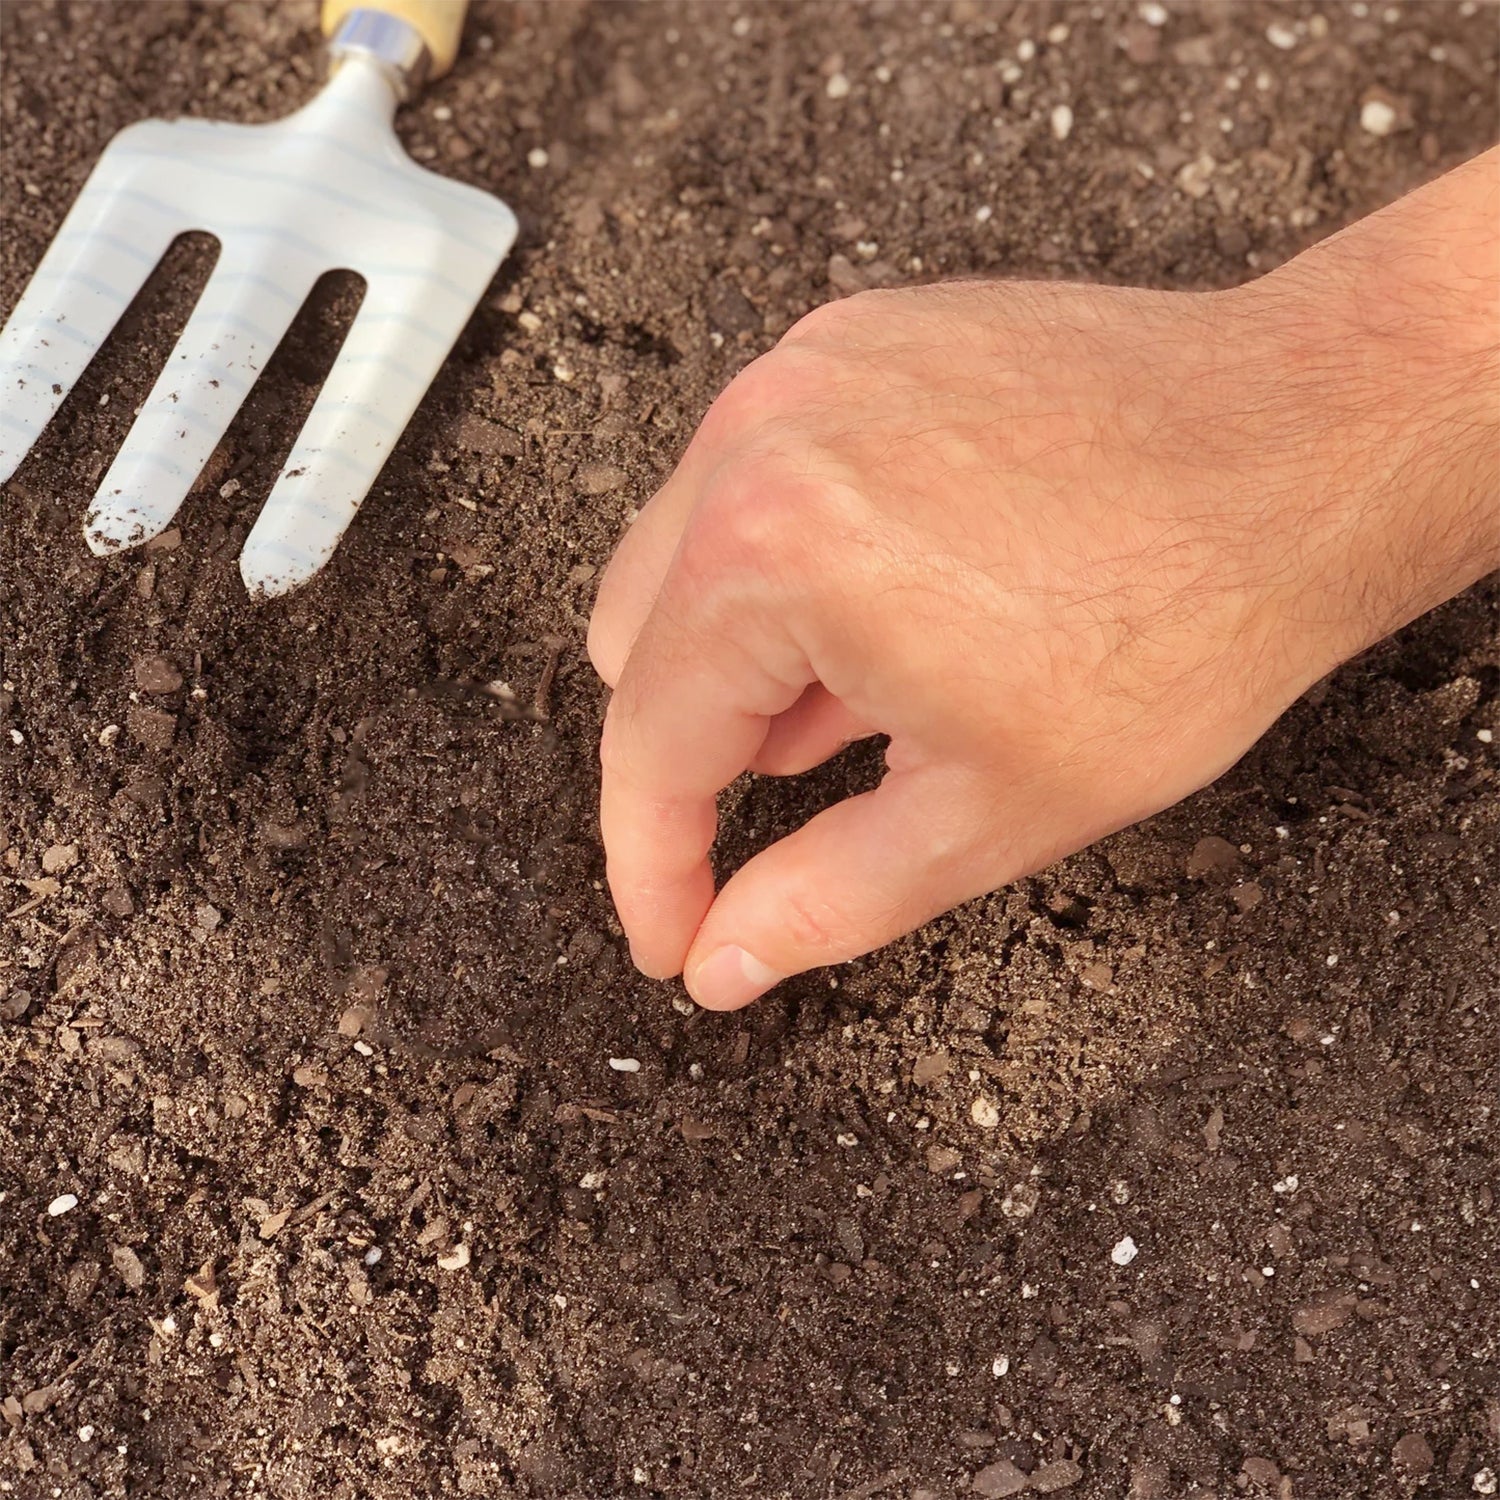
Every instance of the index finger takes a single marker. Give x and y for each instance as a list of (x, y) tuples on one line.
[(698, 691)]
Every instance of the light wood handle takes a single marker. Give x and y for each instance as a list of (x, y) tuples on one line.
[(438, 22)]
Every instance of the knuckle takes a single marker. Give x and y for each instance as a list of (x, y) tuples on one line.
[(814, 927), (754, 521), (831, 319), (743, 404), (778, 389)]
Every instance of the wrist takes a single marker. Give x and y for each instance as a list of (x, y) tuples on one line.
[(1379, 361)]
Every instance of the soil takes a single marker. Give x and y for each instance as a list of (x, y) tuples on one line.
[(310, 986)]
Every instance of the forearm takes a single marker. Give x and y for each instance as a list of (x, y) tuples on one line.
[(1389, 334)]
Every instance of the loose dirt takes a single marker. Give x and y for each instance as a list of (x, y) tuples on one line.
[(310, 986)]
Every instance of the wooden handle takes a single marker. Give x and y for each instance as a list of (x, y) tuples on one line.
[(439, 23)]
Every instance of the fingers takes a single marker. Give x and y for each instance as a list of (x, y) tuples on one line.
[(814, 728), (860, 874), (635, 573), (689, 714)]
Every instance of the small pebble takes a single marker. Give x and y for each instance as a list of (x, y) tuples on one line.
[(625, 1064), (1025, 49), (537, 157), (1021, 1201), (155, 674), (1062, 1474), (1062, 122), (1377, 117), (373, 1254), (1124, 1252), (837, 86), (1486, 1482), (1152, 13), (456, 1259), (1281, 36), (1485, 736), (1414, 1454), (985, 1113), (229, 489), (86, 1433), (65, 1203), (997, 1480), (1059, 33)]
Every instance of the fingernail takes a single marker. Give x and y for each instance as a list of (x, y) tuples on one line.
[(729, 977)]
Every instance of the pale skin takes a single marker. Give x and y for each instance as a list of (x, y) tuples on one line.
[(1073, 548)]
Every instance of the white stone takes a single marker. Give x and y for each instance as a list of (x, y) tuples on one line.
[(63, 1204), (1377, 117), (1153, 14), (1062, 122), (837, 86), (537, 157), (1485, 1482), (985, 1113), (625, 1064), (1124, 1252), (1001, 1366), (1281, 36)]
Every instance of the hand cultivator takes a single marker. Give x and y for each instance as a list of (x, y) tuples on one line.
[(326, 188)]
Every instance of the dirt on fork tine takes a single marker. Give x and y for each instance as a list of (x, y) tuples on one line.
[(318, 1177)]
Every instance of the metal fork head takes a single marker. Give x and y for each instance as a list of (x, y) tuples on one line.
[(327, 188)]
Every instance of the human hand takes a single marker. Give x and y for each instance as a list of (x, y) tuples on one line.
[(1072, 548)]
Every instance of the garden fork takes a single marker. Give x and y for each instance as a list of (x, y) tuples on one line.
[(329, 187)]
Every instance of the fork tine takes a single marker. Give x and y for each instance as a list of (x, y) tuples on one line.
[(108, 245), (248, 304), (378, 380)]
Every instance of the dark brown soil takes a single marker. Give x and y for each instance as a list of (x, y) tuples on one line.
[(320, 964)]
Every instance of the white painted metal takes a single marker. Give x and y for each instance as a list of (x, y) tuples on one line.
[(326, 188)]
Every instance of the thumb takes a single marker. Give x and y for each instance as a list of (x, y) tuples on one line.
[(858, 875)]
